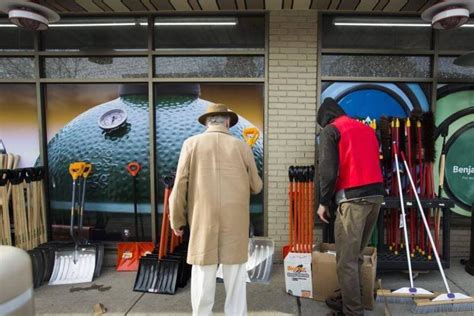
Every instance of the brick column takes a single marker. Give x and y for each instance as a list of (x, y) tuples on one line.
[(291, 109)]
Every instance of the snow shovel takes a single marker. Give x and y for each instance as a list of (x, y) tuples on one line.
[(129, 253), (77, 264), (157, 272)]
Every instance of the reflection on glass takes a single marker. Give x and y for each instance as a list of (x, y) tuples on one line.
[(458, 39), (248, 32), (448, 70), (96, 34), (75, 114), (210, 66), (96, 67), (15, 38), (19, 122), (17, 68), (339, 36), (376, 66)]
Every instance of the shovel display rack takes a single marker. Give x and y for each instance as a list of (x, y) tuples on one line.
[(386, 259)]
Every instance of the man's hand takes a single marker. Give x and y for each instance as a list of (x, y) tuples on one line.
[(323, 213), (178, 232)]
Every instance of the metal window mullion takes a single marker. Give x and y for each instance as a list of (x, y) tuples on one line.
[(435, 63), (375, 79), (207, 79), (152, 133), (43, 145), (93, 80), (318, 97), (375, 51), (107, 53), (208, 52), (265, 127)]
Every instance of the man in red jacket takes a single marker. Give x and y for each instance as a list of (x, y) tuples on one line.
[(350, 176)]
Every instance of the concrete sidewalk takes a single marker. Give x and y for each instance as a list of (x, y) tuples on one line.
[(114, 291)]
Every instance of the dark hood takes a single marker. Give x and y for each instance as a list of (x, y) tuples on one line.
[(329, 111)]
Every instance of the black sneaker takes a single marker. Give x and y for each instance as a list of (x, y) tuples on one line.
[(335, 313), (334, 303)]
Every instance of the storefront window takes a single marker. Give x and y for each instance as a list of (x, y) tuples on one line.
[(96, 34), (209, 32), (95, 67), (375, 32), (106, 125), (376, 66), (17, 68), (14, 38), (19, 122), (459, 39), (210, 66), (448, 70)]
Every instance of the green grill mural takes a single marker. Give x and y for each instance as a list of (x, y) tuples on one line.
[(114, 133), (455, 119)]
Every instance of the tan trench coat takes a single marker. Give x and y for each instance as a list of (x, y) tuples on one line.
[(215, 176)]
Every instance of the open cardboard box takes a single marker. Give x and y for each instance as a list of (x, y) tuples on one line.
[(324, 274)]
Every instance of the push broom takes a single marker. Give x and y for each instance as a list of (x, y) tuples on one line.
[(446, 302), (404, 294)]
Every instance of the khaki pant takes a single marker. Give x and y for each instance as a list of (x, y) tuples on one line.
[(355, 221)]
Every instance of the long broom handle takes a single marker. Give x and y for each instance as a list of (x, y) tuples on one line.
[(402, 206), (427, 228)]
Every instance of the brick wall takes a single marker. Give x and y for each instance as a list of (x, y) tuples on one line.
[(291, 109)]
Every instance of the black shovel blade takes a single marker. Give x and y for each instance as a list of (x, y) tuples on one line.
[(38, 267), (182, 268), (167, 276), (48, 258), (99, 259), (146, 272)]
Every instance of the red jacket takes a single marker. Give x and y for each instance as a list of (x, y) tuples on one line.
[(358, 154)]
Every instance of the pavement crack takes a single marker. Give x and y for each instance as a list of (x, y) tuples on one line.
[(460, 287), (298, 303), (134, 303)]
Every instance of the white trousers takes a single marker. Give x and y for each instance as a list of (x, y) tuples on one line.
[(203, 289)]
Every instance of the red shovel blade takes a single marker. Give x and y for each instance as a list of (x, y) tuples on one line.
[(134, 168)]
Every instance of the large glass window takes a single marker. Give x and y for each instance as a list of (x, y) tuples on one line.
[(209, 32), (210, 67), (372, 32), (96, 34), (106, 125), (19, 130), (376, 66), (14, 38), (95, 67)]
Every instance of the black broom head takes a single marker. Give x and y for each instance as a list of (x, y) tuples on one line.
[(427, 136)]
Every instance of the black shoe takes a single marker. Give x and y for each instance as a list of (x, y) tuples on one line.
[(335, 303), (335, 313)]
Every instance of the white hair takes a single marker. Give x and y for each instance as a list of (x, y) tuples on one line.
[(219, 120)]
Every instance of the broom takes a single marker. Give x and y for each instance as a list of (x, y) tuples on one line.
[(404, 294), (446, 302)]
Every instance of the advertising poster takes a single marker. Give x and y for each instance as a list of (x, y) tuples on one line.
[(19, 130), (108, 125), (455, 125), (178, 106)]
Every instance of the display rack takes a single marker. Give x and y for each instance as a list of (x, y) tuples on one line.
[(387, 260)]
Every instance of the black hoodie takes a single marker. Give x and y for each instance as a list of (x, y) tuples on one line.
[(329, 157)]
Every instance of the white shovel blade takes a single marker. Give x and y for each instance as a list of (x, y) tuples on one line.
[(70, 272), (456, 296)]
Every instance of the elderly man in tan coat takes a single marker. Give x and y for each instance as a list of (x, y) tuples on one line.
[(216, 175)]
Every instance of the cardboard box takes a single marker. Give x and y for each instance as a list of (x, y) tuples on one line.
[(325, 277), (298, 274)]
